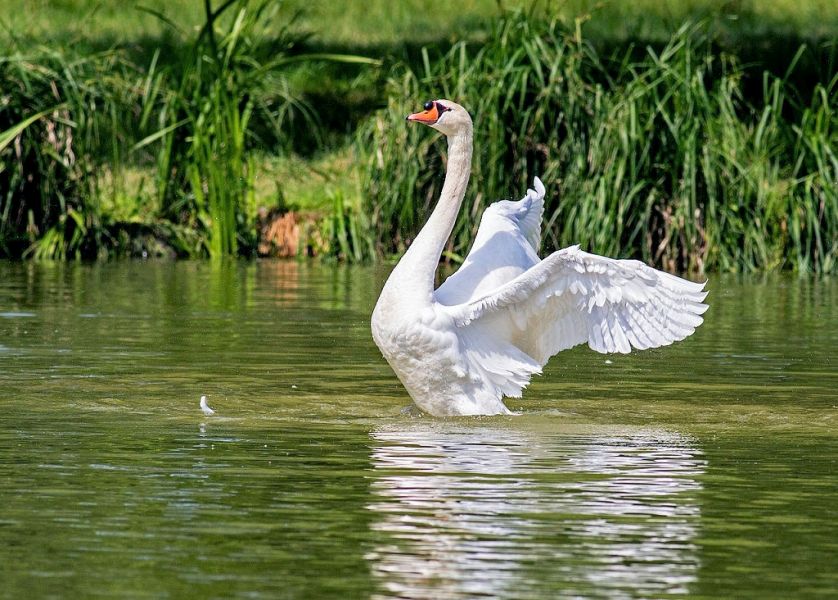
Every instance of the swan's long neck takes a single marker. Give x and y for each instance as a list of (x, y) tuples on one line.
[(420, 262)]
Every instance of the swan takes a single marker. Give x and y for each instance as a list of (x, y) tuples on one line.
[(494, 323)]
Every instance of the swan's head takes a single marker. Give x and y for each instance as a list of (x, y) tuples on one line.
[(443, 115)]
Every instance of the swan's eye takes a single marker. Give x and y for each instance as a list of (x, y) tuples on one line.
[(441, 108), (428, 105)]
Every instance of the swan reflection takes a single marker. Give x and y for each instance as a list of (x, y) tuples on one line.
[(467, 511)]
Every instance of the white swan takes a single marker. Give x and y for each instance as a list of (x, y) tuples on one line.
[(496, 321)]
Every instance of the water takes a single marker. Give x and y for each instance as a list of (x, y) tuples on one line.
[(708, 469)]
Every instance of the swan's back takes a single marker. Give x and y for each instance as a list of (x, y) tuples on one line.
[(505, 246)]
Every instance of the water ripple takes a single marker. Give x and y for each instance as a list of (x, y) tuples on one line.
[(461, 517)]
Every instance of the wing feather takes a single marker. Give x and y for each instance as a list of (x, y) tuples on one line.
[(572, 297), (506, 245)]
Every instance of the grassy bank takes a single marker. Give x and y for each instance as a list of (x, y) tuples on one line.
[(104, 155), (376, 24), (661, 157), (705, 147)]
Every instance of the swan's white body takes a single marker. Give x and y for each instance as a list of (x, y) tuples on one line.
[(496, 321)]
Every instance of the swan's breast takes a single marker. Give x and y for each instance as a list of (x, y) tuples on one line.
[(417, 341)]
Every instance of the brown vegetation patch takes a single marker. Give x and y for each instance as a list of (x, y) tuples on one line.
[(279, 234)]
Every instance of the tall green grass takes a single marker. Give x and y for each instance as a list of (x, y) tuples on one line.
[(678, 155), (205, 106), (70, 125), (60, 121), (202, 106), (660, 157)]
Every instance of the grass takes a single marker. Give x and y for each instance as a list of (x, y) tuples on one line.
[(203, 108), (59, 115), (662, 158), (215, 135), (198, 118), (376, 23)]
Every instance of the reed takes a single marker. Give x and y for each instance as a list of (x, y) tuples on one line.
[(660, 158), (60, 123), (201, 107), (205, 108)]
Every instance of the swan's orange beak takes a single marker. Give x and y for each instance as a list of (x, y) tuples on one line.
[(428, 117)]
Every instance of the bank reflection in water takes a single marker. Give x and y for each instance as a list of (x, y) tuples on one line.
[(473, 511)]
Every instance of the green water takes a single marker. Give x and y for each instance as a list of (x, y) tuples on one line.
[(708, 469)]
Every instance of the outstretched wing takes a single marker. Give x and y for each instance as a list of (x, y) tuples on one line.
[(506, 245), (572, 297)]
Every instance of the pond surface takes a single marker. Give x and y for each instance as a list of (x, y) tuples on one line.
[(707, 469)]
